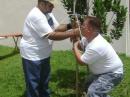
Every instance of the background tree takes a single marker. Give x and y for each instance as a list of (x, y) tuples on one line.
[(111, 13)]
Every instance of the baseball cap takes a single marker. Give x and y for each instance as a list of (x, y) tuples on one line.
[(51, 1)]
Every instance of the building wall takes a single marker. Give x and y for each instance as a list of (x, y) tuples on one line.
[(14, 13), (128, 29)]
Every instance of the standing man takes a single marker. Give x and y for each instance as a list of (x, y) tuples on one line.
[(40, 28), (105, 65)]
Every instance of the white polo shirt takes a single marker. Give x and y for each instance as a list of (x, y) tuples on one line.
[(101, 57), (33, 45)]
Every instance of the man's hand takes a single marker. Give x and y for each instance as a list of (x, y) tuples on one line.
[(76, 35), (74, 39), (77, 52), (75, 23)]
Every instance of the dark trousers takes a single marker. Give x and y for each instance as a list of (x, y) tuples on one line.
[(37, 75)]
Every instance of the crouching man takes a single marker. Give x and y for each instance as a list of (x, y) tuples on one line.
[(105, 65)]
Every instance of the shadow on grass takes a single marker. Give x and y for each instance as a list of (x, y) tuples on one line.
[(68, 95), (66, 79), (24, 94), (15, 52), (55, 95)]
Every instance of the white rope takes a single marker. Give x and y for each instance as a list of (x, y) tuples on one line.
[(77, 67), (78, 25), (75, 14), (74, 6)]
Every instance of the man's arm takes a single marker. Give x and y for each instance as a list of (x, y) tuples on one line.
[(63, 27), (63, 35), (78, 53)]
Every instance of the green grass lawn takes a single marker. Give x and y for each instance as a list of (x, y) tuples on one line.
[(62, 82)]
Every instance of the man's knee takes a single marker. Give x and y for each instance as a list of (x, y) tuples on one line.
[(91, 92)]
